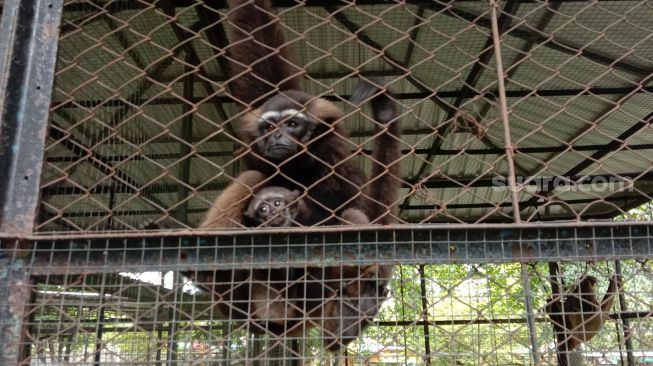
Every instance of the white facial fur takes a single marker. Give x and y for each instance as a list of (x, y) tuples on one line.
[(278, 115)]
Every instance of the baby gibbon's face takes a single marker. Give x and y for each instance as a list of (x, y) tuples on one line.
[(273, 206)]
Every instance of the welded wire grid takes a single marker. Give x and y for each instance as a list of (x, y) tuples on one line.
[(143, 127), (434, 314)]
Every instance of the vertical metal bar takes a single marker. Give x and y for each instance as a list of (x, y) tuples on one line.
[(159, 342), (15, 295), (27, 346), (181, 212), (425, 318), (530, 315), (627, 332), (557, 290), (173, 319), (29, 35), (99, 330), (496, 37)]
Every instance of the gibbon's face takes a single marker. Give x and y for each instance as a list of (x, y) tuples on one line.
[(284, 127), (273, 206)]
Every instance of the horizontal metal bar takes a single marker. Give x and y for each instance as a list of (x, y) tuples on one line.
[(333, 246), (620, 199), (127, 5), (452, 182), (120, 325), (442, 152), (399, 96)]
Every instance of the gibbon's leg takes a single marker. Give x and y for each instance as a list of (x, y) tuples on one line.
[(272, 296), (362, 292), (354, 216), (228, 209)]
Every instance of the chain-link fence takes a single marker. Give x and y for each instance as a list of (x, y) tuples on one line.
[(144, 127), (174, 127)]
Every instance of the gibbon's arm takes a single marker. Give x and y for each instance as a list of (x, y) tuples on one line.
[(580, 317), (614, 286), (258, 54), (228, 209), (385, 182)]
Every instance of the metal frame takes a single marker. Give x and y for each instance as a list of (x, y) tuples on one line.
[(443, 244), (29, 34), (28, 44)]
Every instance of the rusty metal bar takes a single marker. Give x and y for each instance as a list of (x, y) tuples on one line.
[(425, 311), (118, 324), (467, 90), (512, 181), (441, 152), (340, 97), (318, 247), (223, 99), (557, 288), (530, 314), (29, 36), (15, 292), (454, 182), (99, 331), (625, 321)]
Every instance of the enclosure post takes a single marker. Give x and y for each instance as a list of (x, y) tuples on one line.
[(425, 318), (623, 307), (174, 318), (512, 180), (16, 290), (29, 35), (514, 192), (97, 356), (530, 316)]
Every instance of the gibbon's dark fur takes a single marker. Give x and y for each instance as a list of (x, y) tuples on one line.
[(578, 315), (258, 56), (306, 149), (324, 167)]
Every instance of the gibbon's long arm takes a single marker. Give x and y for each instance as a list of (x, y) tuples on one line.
[(258, 56), (385, 182), (228, 209)]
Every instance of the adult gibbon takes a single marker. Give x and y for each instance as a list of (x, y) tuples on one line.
[(298, 142), (577, 313)]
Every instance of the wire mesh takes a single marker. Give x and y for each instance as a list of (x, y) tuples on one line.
[(434, 314), (418, 112), (144, 125)]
